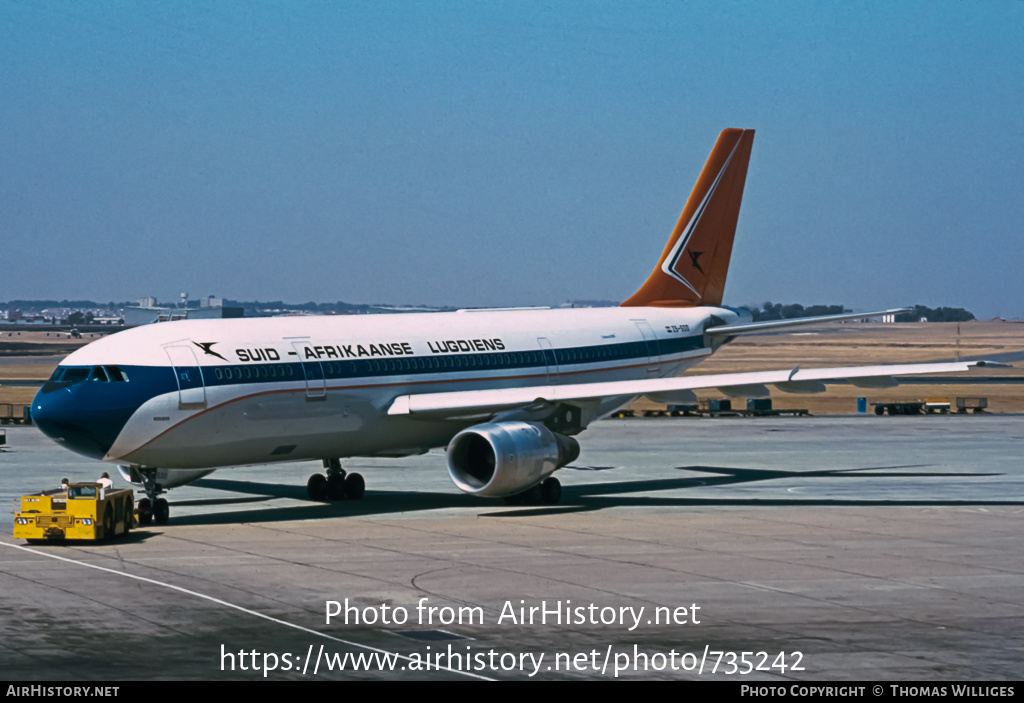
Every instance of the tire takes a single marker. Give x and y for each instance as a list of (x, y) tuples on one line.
[(161, 511), (534, 495), (316, 487), (145, 512), (108, 522), (355, 486), (551, 491)]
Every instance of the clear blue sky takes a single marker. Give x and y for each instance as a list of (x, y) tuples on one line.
[(507, 153)]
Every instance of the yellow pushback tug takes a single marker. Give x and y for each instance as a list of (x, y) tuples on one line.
[(84, 511)]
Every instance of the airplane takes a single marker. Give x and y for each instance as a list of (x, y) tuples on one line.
[(506, 391)]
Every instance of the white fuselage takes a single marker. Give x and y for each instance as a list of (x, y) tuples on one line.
[(231, 392)]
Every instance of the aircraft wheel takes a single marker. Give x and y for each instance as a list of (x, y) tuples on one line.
[(335, 486), (108, 523), (161, 511), (316, 487), (145, 512), (533, 496), (551, 491), (355, 486)]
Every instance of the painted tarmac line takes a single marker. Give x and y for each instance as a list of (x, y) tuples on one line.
[(242, 609)]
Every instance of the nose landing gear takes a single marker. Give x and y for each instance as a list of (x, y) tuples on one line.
[(151, 508)]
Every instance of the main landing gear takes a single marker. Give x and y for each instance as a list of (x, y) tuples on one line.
[(152, 508), (336, 484), (547, 492)]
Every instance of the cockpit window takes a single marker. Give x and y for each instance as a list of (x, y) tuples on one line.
[(66, 376), (116, 374), (74, 374)]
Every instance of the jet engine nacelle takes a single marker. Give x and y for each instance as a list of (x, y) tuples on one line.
[(499, 459)]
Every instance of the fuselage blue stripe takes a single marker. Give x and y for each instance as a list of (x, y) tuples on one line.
[(145, 381), (333, 368)]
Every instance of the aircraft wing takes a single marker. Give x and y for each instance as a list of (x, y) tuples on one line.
[(753, 384)]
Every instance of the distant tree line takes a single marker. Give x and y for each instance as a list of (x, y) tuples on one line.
[(35, 305), (252, 307), (777, 311), (935, 315), (338, 307)]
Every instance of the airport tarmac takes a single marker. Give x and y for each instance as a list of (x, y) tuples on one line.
[(826, 548)]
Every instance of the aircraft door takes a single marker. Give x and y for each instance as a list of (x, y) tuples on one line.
[(653, 357), (189, 375), (549, 359), (313, 370)]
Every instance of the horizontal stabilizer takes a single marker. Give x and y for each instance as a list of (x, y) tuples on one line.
[(772, 325)]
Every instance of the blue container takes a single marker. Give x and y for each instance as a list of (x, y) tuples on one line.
[(862, 405)]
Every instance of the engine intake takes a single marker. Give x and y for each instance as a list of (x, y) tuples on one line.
[(500, 459)]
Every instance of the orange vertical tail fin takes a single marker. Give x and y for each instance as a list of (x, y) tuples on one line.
[(693, 267)]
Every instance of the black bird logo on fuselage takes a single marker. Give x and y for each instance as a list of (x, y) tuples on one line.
[(205, 346)]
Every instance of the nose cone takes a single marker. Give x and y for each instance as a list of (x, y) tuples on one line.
[(66, 416)]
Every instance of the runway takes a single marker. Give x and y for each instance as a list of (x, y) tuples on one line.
[(838, 548)]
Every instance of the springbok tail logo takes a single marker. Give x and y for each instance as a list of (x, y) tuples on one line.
[(694, 255), (694, 264)]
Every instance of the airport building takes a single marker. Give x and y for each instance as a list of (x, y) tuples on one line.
[(149, 311)]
